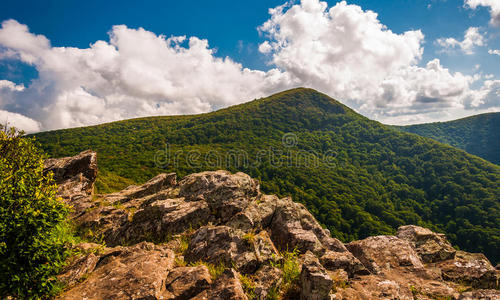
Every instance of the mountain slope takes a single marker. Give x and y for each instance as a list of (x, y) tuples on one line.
[(357, 176), (478, 135)]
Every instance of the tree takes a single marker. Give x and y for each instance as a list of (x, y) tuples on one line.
[(32, 249)]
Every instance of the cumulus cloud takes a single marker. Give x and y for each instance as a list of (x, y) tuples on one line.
[(342, 50), (492, 5), (6, 84), (10, 119), (136, 73), (346, 52), (495, 52), (487, 96), (472, 38)]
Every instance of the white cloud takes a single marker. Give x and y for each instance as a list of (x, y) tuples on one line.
[(487, 96), (6, 84), (495, 52), (19, 121), (136, 73), (347, 53), (493, 6), (472, 38)]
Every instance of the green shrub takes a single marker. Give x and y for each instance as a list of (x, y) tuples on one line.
[(33, 231)]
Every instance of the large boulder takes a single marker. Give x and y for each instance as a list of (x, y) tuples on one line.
[(480, 294), (257, 215), (187, 282), (343, 260), (292, 226), (315, 282), (385, 252), (431, 246), (136, 272), (151, 212), (225, 193), (228, 246), (163, 218), (268, 281), (227, 286), (78, 269), (152, 187), (470, 268), (75, 177)]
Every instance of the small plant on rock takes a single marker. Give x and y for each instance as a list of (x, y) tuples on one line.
[(248, 286), (290, 266)]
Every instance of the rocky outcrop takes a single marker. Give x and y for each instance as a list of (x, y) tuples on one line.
[(315, 283), (292, 226), (75, 177), (343, 261), (226, 194), (385, 252), (471, 269), (136, 272), (187, 282), (214, 235), (430, 246)]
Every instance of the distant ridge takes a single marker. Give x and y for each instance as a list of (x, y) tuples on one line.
[(357, 177), (478, 135)]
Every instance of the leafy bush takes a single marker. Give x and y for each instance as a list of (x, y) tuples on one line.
[(32, 220)]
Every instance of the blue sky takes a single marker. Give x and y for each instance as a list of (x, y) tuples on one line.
[(231, 29)]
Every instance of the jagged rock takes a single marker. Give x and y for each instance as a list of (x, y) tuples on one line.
[(186, 282), (75, 177), (292, 226), (227, 286), (82, 264), (315, 282), (225, 193), (257, 215), (268, 280), (432, 247), (223, 244), (163, 218), (156, 220), (384, 252), (480, 295), (78, 269), (104, 223), (343, 260), (470, 268), (134, 272), (263, 247), (151, 187)]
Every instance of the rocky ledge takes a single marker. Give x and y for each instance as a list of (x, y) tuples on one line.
[(214, 235)]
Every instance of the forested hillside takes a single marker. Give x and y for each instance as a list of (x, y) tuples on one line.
[(357, 176), (478, 135)]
